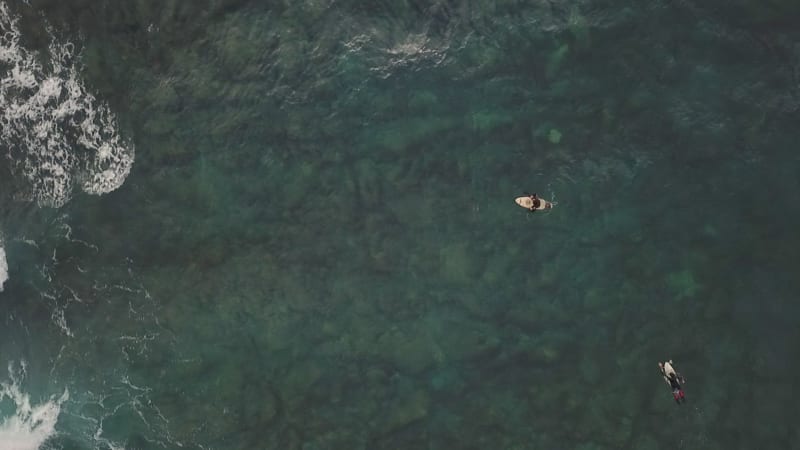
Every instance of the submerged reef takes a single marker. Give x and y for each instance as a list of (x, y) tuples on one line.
[(321, 215)]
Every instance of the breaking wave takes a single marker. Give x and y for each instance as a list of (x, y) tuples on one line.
[(26, 426), (56, 134)]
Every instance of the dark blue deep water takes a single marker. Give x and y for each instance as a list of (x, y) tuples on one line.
[(232, 224)]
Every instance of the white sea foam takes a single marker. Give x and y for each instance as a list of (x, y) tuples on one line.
[(30, 425), (57, 133), (3, 268)]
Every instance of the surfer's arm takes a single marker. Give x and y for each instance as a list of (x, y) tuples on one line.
[(663, 374)]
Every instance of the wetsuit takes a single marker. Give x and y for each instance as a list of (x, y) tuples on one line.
[(674, 381)]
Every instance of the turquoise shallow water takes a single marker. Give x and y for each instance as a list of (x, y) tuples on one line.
[(316, 245)]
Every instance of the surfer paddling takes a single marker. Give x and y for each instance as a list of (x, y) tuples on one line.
[(674, 380), (533, 203)]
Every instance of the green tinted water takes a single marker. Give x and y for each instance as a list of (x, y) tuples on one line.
[(317, 246)]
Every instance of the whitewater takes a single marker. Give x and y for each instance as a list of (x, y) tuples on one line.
[(30, 424), (56, 132), (57, 138), (3, 268)]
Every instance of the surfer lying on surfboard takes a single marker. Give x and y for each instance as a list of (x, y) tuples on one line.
[(674, 380), (533, 203)]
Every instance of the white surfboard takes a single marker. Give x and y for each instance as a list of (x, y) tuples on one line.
[(527, 202)]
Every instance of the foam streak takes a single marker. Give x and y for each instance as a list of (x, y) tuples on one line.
[(3, 268)]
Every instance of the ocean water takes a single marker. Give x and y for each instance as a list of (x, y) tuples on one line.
[(229, 224), (3, 268)]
